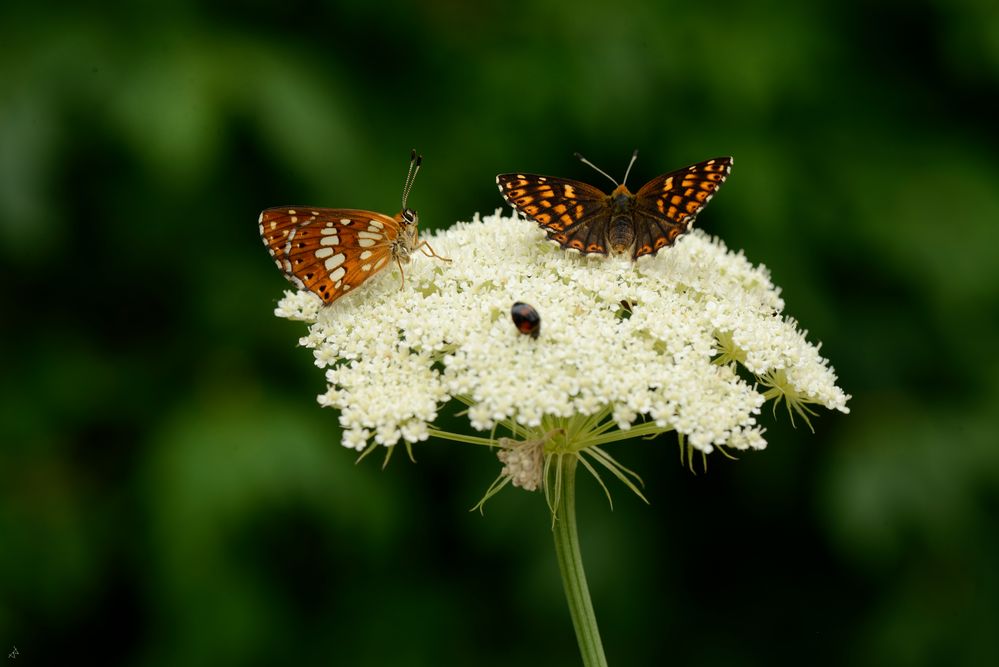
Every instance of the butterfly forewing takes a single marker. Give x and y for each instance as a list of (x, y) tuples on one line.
[(680, 195), (328, 251), (557, 204)]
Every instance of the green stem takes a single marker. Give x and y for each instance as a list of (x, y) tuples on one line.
[(641, 430), (460, 437), (570, 564)]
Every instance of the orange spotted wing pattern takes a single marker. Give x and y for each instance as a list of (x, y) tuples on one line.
[(581, 217), (330, 251)]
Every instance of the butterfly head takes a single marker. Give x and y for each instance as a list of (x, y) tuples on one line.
[(408, 217), (620, 200)]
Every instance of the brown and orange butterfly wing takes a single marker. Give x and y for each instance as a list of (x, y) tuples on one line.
[(328, 251), (573, 213), (666, 206)]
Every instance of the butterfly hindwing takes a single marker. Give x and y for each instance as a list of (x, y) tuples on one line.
[(588, 236), (652, 233), (328, 251)]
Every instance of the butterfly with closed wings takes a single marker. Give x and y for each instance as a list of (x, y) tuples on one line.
[(330, 251), (581, 217)]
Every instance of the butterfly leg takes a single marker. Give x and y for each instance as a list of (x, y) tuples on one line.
[(423, 248), (401, 273)]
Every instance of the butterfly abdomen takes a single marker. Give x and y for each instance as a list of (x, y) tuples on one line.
[(621, 231), (621, 234)]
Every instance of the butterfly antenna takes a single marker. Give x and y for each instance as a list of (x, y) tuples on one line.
[(634, 156), (414, 168), (587, 162)]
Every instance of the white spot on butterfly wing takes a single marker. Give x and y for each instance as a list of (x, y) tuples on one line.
[(334, 262), (339, 273)]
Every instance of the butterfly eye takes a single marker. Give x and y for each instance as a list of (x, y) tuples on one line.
[(526, 319), (409, 216)]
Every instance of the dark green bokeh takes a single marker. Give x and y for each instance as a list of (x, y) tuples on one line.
[(171, 493)]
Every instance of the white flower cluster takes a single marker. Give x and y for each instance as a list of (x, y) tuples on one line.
[(659, 340)]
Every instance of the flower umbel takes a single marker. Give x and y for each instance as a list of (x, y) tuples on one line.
[(645, 347)]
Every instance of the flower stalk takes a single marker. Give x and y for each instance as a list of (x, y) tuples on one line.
[(570, 564)]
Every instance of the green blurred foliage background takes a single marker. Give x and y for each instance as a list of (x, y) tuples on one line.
[(171, 493)]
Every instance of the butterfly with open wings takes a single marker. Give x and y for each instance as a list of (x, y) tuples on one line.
[(581, 217), (330, 251)]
